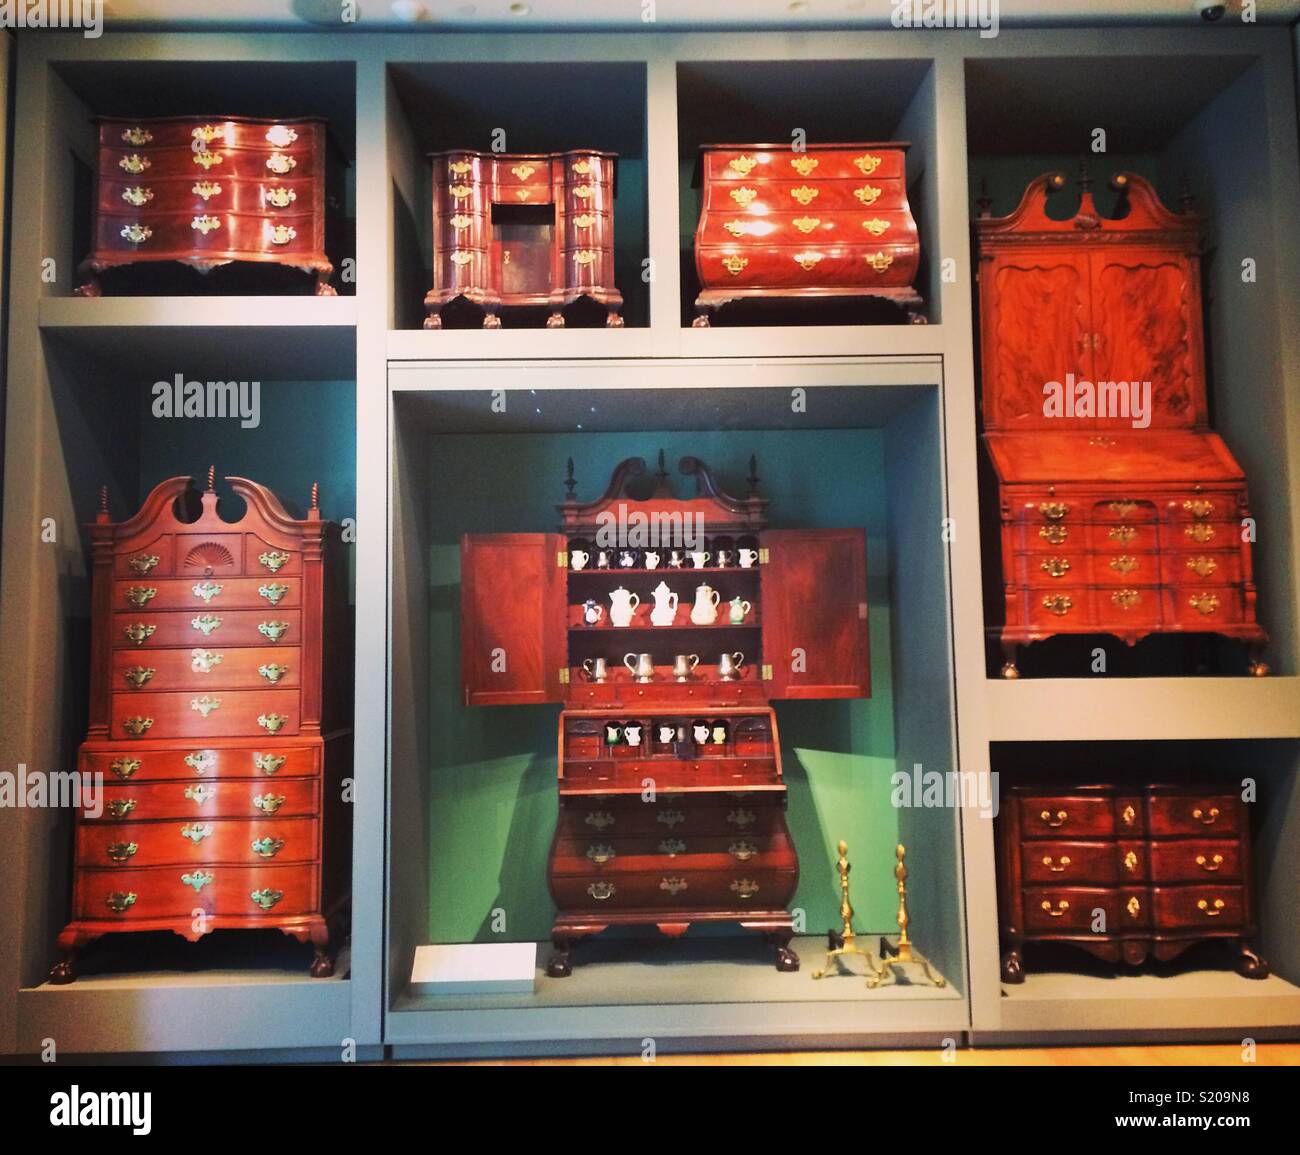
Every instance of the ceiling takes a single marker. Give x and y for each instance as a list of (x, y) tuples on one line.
[(542, 15)]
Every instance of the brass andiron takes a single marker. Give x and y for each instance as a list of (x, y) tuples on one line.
[(842, 942), (902, 955)]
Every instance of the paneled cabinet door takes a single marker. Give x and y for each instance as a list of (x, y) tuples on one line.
[(513, 643), (1146, 326), (814, 591), (1036, 328)]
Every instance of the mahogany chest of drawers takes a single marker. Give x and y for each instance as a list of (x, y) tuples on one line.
[(517, 230), (218, 693), (829, 221), (208, 192), (1125, 871), (671, 796), (1121, 512)]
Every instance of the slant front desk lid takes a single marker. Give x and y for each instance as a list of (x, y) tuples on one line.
[(1186, 456)]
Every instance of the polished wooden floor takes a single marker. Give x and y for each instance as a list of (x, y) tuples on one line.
[(1198, 1055)]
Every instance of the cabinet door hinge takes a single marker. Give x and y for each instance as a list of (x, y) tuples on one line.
[(764, 555), (767, 673), (562, 560), (564, 675)]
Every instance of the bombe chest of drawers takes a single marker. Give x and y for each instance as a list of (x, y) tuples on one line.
[(218, 697), (672, 804), (1121, 512), (1125, 871), (209, 192), (515, 230), (830, 221)]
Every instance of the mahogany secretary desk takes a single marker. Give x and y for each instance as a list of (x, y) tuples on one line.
[(672, 800), (1119, 522)]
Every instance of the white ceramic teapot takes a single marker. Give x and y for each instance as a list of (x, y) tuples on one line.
[(705, 610), (664, 612), (622, 606)]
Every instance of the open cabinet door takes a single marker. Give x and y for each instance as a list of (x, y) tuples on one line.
[(513, 640), (814, 591)]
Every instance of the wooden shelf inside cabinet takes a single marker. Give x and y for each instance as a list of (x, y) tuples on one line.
[(714, 846)]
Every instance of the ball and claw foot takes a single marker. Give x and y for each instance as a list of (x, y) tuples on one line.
[(1009, 668), (1013, 967), (701, 321), (1249, 964), (559, 966), (1257, 667), (88, 288), (491, 321), (323, 286), (555, 321), (433, 321), (786, 960), (322, 966), (613, 321), (915, 318), (64, 971)]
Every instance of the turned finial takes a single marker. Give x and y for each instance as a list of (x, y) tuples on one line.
[(315, 495), (212, 478), (103, 499), (569, 483), (984, 203)]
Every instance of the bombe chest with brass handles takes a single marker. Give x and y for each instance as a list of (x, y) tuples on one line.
[(1120, 511), (208, 192), (1124, 871), (670, 686), (827, 222), (523, 230), (218, 725)]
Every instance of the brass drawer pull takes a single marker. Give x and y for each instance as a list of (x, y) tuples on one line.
[(1128, 815), (1059, 820), (268, 763), (267, 847), (207, 159), (673, 886), (1124, 563), (1122, 533), (1199, 532), (1056, 567), (124, 767), (139, 633), (273, 630), (201, 761), (200, 794), (120, 807), (139, 596), (273, 671), (136, 726), (672, 847), (135, 164), (601, 891), (1204, 603), (1125, 599), (735, 265), (875, 226), (196, 832), (1199, 508), (867, 194), (1053, 534), (867, 163), (1131, 861), (1209, 865), (1058, 604), (205, 189), (806, 224), (1133, 907), (1210, 910), (137, 195), (272, 722), (205, 224), (743, 850), (280, 164), (143, 563), (879, 261), (268, 803), (741, 817), (804, 165), (266, 898), (1206, 818), (1059, 912), (744, 888), (599, 819), (281, 234), (1060, 866), (1202, 566), (1053, 510), (281, 135), (670, 818), (206, 590), (118, 902), (204, 661), (205, 705), (206, 623), (137, 135), (198, 879), (137, 676), (601, 853), (121, 851), (274, 560)]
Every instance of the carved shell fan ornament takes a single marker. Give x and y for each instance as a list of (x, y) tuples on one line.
[(211, 556)]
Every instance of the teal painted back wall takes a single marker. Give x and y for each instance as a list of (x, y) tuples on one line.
[(492, 775)]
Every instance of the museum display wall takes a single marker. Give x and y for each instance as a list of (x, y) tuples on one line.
[(842, 408)]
